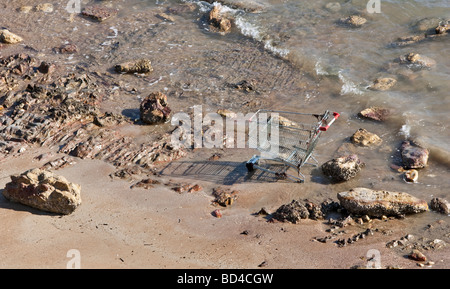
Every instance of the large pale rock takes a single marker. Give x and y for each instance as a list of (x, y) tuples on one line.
[(364, 138), (363, 201), (44, 190), (8, 37)]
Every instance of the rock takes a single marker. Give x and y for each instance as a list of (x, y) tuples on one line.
[(44, 190), (440, 205), (146, 184), (217, 20), (224, 197), (9, 37), (416, 61), (416, 255), (411, 176), (217, 213), (375, 113), (413, 155), (44, 7), (333, 6), (250, 6), (46, 68), (442, 28), (408, 40), (67, 49), (353, 21), (364, 138), (138, 66), (343, 168), (292, 212), (165, 17), (99, 13), (426, 24), (154, 109), (227, 113), (363, 201), (382, 84), (182, 8), (25, 9)]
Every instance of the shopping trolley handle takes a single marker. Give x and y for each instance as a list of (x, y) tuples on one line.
[(325, 128)]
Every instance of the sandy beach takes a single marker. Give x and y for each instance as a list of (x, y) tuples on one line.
[(108, 150)]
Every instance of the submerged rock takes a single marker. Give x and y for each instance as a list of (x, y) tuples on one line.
[(363, 201), (44, 7), (8, 37), (440, 205), (353, 21), (343, 168), (154, 109), (384, 83), (414, 156), (375, 113), (217, 20), (99, 13), (44, 190), (364, 138), (138, 66), (416, 61)]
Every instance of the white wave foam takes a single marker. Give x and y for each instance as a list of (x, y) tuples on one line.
[(348, 87), (250, 30)]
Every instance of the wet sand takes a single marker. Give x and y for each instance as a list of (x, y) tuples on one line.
[(120, 227)]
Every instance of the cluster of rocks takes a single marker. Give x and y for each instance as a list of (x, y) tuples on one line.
[(426, 29), (224, 197), (296, 210), (41, 108)]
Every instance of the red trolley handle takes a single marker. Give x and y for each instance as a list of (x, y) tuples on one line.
[(325, 128)]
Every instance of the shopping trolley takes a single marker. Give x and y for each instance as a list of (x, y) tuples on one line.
[(291, 139)]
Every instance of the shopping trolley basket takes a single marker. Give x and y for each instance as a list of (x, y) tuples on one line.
[(293, 137)]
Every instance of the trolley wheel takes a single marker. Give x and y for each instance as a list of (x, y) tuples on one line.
[(250, 164)]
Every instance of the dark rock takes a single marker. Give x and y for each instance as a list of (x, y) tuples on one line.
[(343, 168), (47, 68), (292, 212), (413, 155), (67, 49), (224, 197), (375, 113), (440, 205), (154, 109), (99, 13)]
